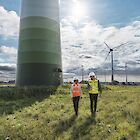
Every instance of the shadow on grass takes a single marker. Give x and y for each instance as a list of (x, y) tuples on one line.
[(64, 125), (84, 129), (15, 99)]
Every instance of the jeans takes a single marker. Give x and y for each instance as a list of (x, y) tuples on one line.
[(93, 98), (76, 103)]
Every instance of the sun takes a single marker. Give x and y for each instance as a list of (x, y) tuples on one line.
[(78, 10)]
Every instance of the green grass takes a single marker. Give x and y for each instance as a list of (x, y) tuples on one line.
[(48, 116)]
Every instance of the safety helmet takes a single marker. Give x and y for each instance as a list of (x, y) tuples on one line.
[(75, 78), (91, 74)]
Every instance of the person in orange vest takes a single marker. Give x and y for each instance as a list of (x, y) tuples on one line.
[(95, 90), (76, 93)]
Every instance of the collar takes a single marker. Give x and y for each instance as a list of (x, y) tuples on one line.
[(76, 84)]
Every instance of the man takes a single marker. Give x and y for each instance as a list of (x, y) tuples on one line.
[(76, 93), (94, 88)]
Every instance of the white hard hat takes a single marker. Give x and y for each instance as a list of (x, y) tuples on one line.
[(75, 78), (92, 74)]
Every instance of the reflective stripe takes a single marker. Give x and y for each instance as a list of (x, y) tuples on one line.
[(94, 86), (76, 90)]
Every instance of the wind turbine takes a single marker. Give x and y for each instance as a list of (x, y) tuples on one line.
[(112, 59), (82, 73), (126, 70), (126, 80)]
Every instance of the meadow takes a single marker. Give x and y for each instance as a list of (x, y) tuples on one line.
[(46, 113)]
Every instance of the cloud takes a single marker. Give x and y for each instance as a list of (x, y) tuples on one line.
[(83, 44), (9, 23), (7, 68), (7, 71), (8, 54)]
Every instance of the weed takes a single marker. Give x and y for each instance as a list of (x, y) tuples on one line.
[(47, 113)]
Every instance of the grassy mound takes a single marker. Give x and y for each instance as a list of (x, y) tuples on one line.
[(47, 114)]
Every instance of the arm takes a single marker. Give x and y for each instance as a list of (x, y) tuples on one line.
[(88, 86), (71, 91), (99, 87), (81, 92)]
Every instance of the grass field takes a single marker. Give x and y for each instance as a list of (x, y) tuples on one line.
[(51, 117)]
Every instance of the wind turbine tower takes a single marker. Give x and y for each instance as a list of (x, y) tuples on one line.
[(126, 72), (39, 52)]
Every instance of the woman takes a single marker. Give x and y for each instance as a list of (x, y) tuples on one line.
[(76, 93)]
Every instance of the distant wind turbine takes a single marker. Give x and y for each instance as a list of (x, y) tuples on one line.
[(126, 80), (112, 66)]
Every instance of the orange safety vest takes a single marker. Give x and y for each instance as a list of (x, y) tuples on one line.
[(76, 90)]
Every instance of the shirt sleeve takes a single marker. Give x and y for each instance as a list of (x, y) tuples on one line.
[(99, 87), (81, 91), (88, 86), (71, 91)]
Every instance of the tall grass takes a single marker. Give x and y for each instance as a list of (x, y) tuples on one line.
[(47, 113)]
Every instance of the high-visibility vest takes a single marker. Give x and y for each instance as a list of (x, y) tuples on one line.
[(93, 86), (76, 90)]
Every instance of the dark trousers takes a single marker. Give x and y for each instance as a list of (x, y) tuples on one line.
[(93, 98), (76, 103)]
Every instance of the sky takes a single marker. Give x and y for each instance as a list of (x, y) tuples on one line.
[(85, 26)]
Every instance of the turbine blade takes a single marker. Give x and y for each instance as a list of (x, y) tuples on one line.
[(107, 56), (118, 46), (107, 45)]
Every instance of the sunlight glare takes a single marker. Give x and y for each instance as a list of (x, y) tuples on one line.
[(78, 10)]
